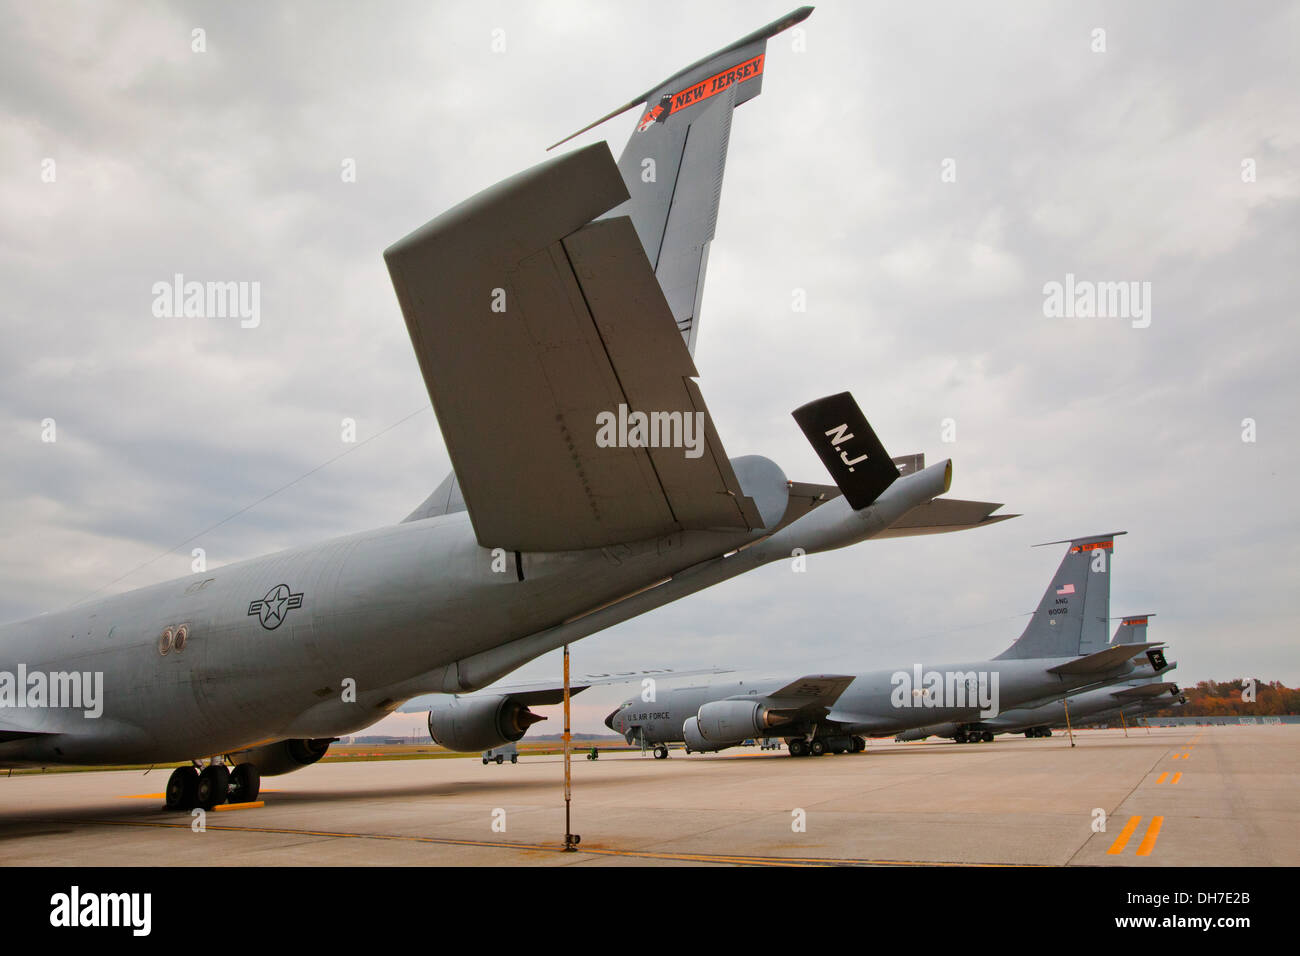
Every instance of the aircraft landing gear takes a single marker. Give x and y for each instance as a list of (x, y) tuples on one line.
[(859, 745), (959, 737), (245, 784), (661, 752), (181, 786), (215, 784), (817, 747), (988, 736), (798, 747)]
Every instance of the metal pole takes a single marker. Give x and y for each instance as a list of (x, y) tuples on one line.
[(571, 839), (1068, 729), (1124, 722)]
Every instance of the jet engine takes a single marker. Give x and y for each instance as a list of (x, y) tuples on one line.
[(470, 724), (285, 756), (731, 721), (696, 743)]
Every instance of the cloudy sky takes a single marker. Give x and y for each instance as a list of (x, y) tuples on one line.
[(1163, 150)]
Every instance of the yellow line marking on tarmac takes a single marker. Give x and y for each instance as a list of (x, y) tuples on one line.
[(158, 796), (240, 806), (1149, 841), (1121, 841), (1177, 777), (556, 848), (1162, 777)]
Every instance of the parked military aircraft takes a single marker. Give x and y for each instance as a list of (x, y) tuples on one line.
[(1127, 694), (1063, 648), (553, 317)]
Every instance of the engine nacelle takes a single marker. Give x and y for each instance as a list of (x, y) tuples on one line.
[(473, 724), (731, 721), (695, 743), (285, 756)]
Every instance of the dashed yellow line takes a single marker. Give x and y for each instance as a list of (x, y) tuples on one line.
[(1121, 841), (1162, 777), (1176, 778), (1149, 840)]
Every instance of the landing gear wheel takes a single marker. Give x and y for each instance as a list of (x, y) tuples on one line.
[(859, 745), (245, 783), (1047, 732), (959, 737), (798, 748), (181, 787), (817, 748), (988, 736), (661, 753), (213, 787)]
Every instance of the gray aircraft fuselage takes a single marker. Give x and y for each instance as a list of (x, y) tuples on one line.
[(1091, 702), (398, 611), (867, 707)]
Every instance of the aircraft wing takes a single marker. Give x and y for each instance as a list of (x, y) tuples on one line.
[(529, 321), (815, 691), (552, 692)]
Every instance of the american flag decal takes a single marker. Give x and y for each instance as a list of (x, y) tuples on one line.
[(1068, 589)]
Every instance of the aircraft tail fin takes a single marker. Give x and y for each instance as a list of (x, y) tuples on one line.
[(1073, 614), (674, 162), (1131, 630)]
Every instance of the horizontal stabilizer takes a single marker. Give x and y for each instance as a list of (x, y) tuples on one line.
[(848, 447), (941, 515), (1146, 691), (1100, 662)]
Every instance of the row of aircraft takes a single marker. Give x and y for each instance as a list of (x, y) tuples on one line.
[(540, 310), (1060, 669)]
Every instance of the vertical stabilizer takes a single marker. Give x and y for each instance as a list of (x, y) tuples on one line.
[(1074, 612), (1132, 630), (674, 162)]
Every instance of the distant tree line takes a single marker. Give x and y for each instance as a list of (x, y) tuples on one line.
[(1225, 699)]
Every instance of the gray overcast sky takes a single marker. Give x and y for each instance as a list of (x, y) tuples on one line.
[(925, 297)]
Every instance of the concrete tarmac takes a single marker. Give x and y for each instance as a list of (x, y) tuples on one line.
[(1168, 797)]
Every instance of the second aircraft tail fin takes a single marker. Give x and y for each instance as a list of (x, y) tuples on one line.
[(1072, 616)]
